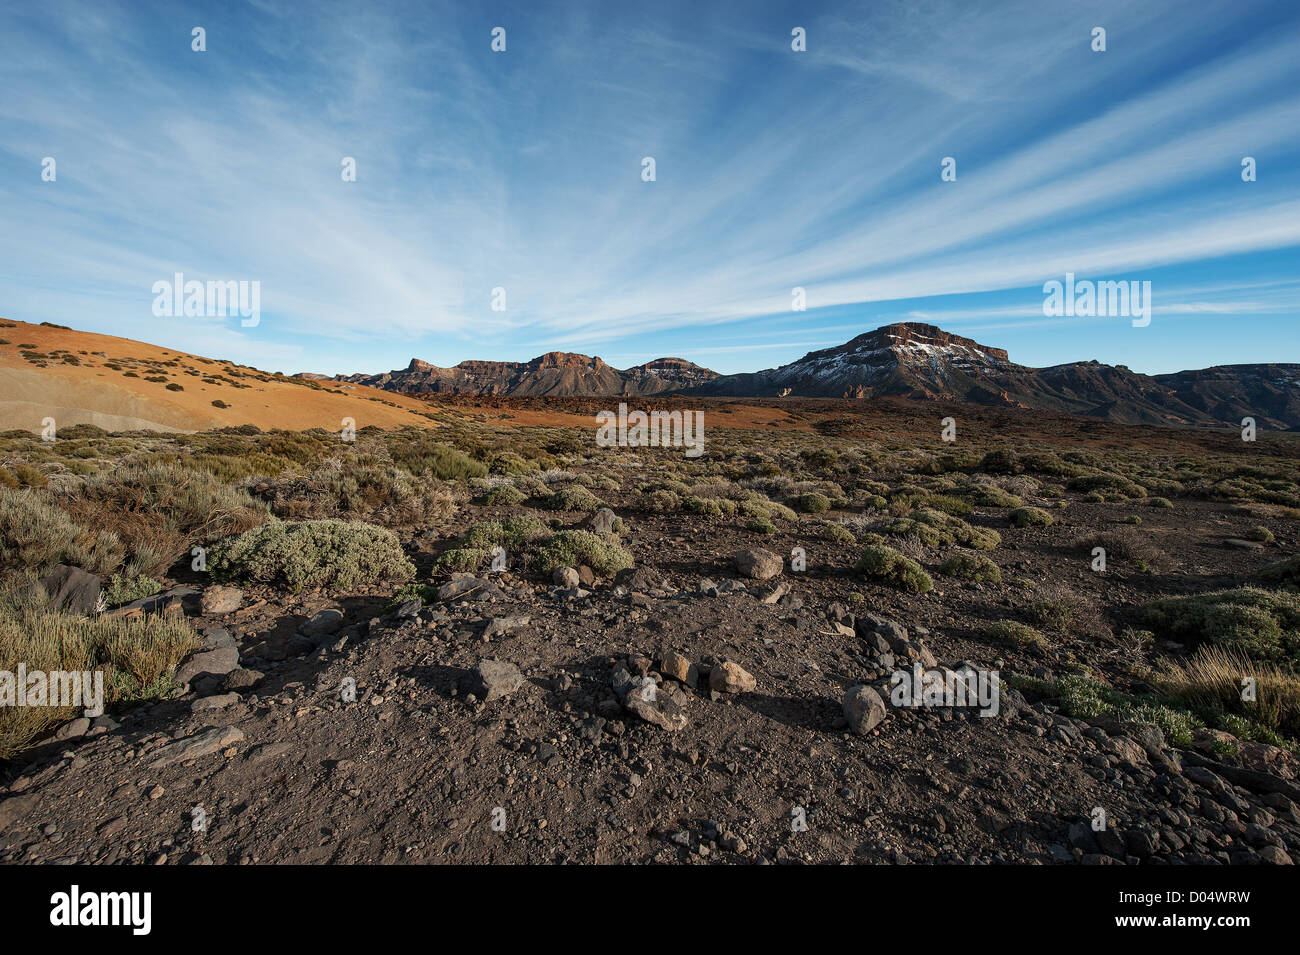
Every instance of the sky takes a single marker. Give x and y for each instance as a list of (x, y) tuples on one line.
[(775, 169)]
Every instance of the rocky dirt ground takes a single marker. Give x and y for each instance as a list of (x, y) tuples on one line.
[(508, 719)]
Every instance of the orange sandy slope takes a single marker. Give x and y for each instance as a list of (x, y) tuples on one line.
[(93, 393)]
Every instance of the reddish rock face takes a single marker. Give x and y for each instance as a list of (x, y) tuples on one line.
[(555, 373)]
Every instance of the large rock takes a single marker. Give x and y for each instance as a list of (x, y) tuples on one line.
[(566, 577), (602, 522), (890, 630), (200, 744), (467, 585), (216, 662), (240, 679), (730, 677), (71, 589), (758, 563), (636, 579), (221, 599), (661, 709), (664, 706), (499, 625), (493, 679), (322, 624), (863, 708), (682, 670)]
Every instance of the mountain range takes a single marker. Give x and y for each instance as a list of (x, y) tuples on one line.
[(907, 359), (554, 374)]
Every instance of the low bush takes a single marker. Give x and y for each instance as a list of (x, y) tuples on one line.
[(121, 589), (159, 511), (573, 499), (880, 562), (315, 554), (1262, 624), (1029, 517), (971, 567), (604, 555), (1016, 634)]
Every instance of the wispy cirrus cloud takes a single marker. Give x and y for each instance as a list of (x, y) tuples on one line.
[(522, 170)]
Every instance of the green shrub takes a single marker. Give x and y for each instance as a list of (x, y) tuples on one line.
[(604, 555), (422, 455), (1261, 534), (515, 533), (884, 563), (707, 506), (837, 533), (1264, 624), (1105, 481), (1160, 502), (1001, 461), (971, 567), (316, 554), (933, 528), (366, 490), (1057, 615), (812, 503), (1029, 517), (460, 559), (1085, 698), (121, 589), (1283, 572), (505, 495), (573, 499), (1016, 634), (989, 495)]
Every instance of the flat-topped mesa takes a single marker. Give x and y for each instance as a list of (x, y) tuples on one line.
[(564, 359)]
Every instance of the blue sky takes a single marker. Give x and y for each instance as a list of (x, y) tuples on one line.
[(775, 169)]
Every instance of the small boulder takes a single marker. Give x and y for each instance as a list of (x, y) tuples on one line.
[(241, 679), (601, 522), (217, 638), (679, 668), (215, 702), (464, 585), (216, 662), (730, 677), (493, 679), (565, 577), (74, 729), (499, 625), (221, 599), (863, 709), (198, 745), (71, 590), (635, 579), (322, 624), (758, 564)]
